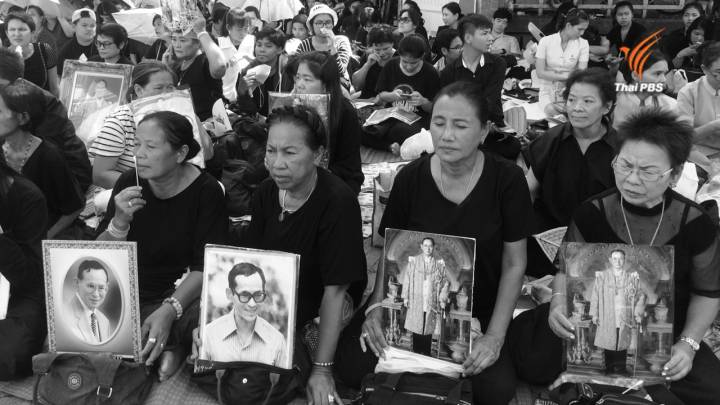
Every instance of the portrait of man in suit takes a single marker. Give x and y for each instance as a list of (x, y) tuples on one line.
[(89, 323)]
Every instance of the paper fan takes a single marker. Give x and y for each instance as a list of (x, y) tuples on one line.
[(550, 241)]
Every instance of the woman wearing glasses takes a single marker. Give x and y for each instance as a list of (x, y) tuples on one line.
[(644, 210), (307, 210), (320, 23), (110, 41)]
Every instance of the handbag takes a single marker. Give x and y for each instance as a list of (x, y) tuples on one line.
[(413, 389), (245, 383), (596, 394), (89, 378)]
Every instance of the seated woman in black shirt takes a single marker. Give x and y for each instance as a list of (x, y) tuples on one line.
[(200, 65), (39, 161), (464, 191), (40, 58), (674, 41), (625, 31), (23, 221), (571, 162), (313, 75), (644, 210), (172, 213), (380, 50), (698, 32), (307, 210)]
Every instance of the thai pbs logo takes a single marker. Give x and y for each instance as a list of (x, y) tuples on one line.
[(636, 58)]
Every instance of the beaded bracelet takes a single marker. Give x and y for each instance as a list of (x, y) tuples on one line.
[(116, 232), (321, 364), (176, 305)]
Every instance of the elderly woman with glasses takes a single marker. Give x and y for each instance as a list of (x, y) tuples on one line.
[(643, 209), (320, 23)]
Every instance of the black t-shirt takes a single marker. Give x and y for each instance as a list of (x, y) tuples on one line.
[(171, 233), (37, 65), (686, 226), (326, 232), (204, 89), (156, 50), (124, 60), (425, 82), (568, 177), (345, 159), (23, 218), (47, 168), (72, 51), (497, 210), (635, 34), (673, 43), (369, 90)]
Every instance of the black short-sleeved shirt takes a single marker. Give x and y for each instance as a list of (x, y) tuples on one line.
[(156, 50), (72, 51), (204, 89), (568, 177), (47, 168), (37, 65), (497, 210), (686, 226), (369, 90), (634, 36), (171, 233), (326, 232), (23, 218), (124, 60), (673, 43), (425, 82)]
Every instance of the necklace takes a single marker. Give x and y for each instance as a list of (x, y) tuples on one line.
[(627, 227), (467, 186), (286, 211), (24, 157)]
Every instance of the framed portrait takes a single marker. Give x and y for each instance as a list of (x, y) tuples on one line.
[(179, 101), (90, 91), (91, 294), (318, 102), (429, 282), (247, 308), (620, 299)]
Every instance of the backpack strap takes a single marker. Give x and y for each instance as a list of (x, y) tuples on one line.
[(105, 368)]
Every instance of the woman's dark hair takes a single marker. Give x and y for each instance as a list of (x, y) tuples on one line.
[(12, 65), (306, 117), (22, 17), (414, 16), (21, 96), (648, 61), (445, 38), (324, 67), (413, 46), (697, 6), (143, 71), (503, 13), (380, 35), (598, 77), (703, 23), (276, 37), (618, 6), (416, 9), (117, 32), (254, 10), (573, 17), (301, 19), (710, 53), (177, 129), (661, 128), (40, 12), (470, 91), (454, 8), (157, 17), (218, 13)]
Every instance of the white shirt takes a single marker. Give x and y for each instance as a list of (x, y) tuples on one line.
[(237, 59), (576, 53), (629, 103), (699, 103)]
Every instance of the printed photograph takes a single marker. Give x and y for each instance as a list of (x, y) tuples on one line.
[(620, 300), (92, 297), (429, 284), (248, 306), (90, 91)]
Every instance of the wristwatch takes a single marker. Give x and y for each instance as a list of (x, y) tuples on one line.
[(691, 342)]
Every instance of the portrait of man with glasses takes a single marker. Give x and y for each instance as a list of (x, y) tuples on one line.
[(241, 334)]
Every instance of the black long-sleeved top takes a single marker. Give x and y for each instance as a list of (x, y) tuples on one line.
[(490, 76)]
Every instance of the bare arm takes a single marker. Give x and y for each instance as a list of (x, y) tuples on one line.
[(215, 56), (104, 173), (533, 184), (700, 315), (330, 322), (52, 77), (358, 78), (514, 261)]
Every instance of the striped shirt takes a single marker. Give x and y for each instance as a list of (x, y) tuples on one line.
[(116, 138), (266, 345)]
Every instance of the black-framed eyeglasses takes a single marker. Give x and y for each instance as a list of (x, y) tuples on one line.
[(103, 45), (624, 168), (323, 23), (244, 296)]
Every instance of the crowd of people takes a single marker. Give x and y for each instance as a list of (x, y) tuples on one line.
[(607, 172)]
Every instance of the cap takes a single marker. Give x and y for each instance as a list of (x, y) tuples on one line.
[(320, 9), (83, 13)]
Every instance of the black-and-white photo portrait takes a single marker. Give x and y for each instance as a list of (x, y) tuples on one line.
[(92, 297), (620, 300), (247, 307), (429, 302)]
